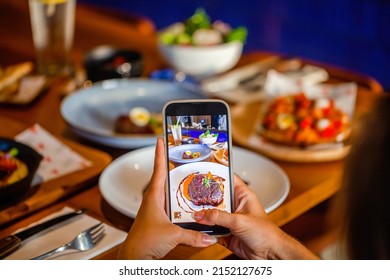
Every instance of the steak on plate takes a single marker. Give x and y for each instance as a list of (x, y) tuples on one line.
[(212, 194)]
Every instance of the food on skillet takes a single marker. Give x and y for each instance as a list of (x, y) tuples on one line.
[(11, 168), (296, 120), (203, 189), (138, 121)]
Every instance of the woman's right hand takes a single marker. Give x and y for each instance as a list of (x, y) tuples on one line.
[(253, 236)]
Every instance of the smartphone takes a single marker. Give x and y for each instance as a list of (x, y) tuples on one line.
[(198, 148)]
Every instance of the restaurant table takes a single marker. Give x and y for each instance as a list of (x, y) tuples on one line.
[(311, 183)]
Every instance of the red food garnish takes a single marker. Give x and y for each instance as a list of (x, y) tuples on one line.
[(7, 165), (306, 122)]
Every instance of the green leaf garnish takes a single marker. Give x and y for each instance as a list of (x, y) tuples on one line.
[(237, 34), (206, 182), (199, 20), (13, 152)]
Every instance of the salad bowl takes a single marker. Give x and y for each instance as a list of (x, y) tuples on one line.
[(201, 48)]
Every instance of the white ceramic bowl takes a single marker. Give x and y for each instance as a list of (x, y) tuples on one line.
[(208, 140), (202, 61)]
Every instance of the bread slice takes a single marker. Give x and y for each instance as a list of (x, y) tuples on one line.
[(12, 74)]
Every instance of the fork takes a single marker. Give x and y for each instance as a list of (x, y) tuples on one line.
[(82, 242)]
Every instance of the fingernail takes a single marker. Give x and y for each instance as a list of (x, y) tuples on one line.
[(208, 240), (197, 216)]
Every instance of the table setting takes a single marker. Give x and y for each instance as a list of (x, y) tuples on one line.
[(96, 142), (57, 236)]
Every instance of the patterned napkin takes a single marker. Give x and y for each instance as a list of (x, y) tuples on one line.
[(58, 159), (64, 233)]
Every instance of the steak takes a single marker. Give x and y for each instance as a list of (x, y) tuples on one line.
[(205, 195)]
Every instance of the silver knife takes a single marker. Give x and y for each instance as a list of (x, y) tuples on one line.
[(11, 243)]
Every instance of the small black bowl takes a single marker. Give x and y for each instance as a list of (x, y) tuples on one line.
[(107, 62), (27, 155)]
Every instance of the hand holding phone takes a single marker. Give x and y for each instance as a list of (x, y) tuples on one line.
[(198, 144)]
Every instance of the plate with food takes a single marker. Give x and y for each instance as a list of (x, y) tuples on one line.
[(123, 113), (189, 153), (294, 127), (18, 84), (201, 47), (123, 182), (200, 185), (222, 156), (296, 120), (18, 165)]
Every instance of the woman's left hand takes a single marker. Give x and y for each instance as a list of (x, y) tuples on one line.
[(152, 234)]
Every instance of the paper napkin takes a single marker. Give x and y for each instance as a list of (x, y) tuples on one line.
[(64, 233), (58, 159)]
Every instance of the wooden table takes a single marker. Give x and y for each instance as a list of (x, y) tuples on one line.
[(311, 183)]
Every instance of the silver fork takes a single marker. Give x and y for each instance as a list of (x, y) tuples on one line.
[(82, 242)]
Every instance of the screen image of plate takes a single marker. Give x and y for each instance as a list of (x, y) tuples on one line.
[(91, 113), (219, 172), (176, 152), (122, 183)]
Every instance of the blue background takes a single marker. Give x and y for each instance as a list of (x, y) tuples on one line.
[(352, 34)]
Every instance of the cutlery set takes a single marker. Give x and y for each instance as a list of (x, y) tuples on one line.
[(82, 242), (85, 240)]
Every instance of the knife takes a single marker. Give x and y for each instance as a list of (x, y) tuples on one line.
[(11, 243)]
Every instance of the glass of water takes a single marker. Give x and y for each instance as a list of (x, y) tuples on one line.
[(176, 133), (52, 23)]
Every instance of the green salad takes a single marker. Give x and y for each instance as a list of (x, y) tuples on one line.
[(199, 30), (208, 134)]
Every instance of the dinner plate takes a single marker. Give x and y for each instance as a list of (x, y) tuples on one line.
[(176, 152), (178, 176), (91, 113), (123, 181)]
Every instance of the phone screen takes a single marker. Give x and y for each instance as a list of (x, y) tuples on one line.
[(198, 153)]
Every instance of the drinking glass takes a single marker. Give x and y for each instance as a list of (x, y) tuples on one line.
[(52, 24), (176, 133)]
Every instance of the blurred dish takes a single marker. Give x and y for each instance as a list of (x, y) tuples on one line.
[(295, 120), (221, 155), (91, 113), (106, 62), (122, 183), (202, 61), (176, 153), (245, 123), (18, 164), (201, 48), (19, 86)]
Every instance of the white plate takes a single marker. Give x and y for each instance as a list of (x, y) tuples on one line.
[(91, 113), (123, 181), (176, 152)]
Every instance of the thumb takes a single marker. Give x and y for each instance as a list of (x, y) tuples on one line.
[(215, 217), (196, 238), (159, 169)]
